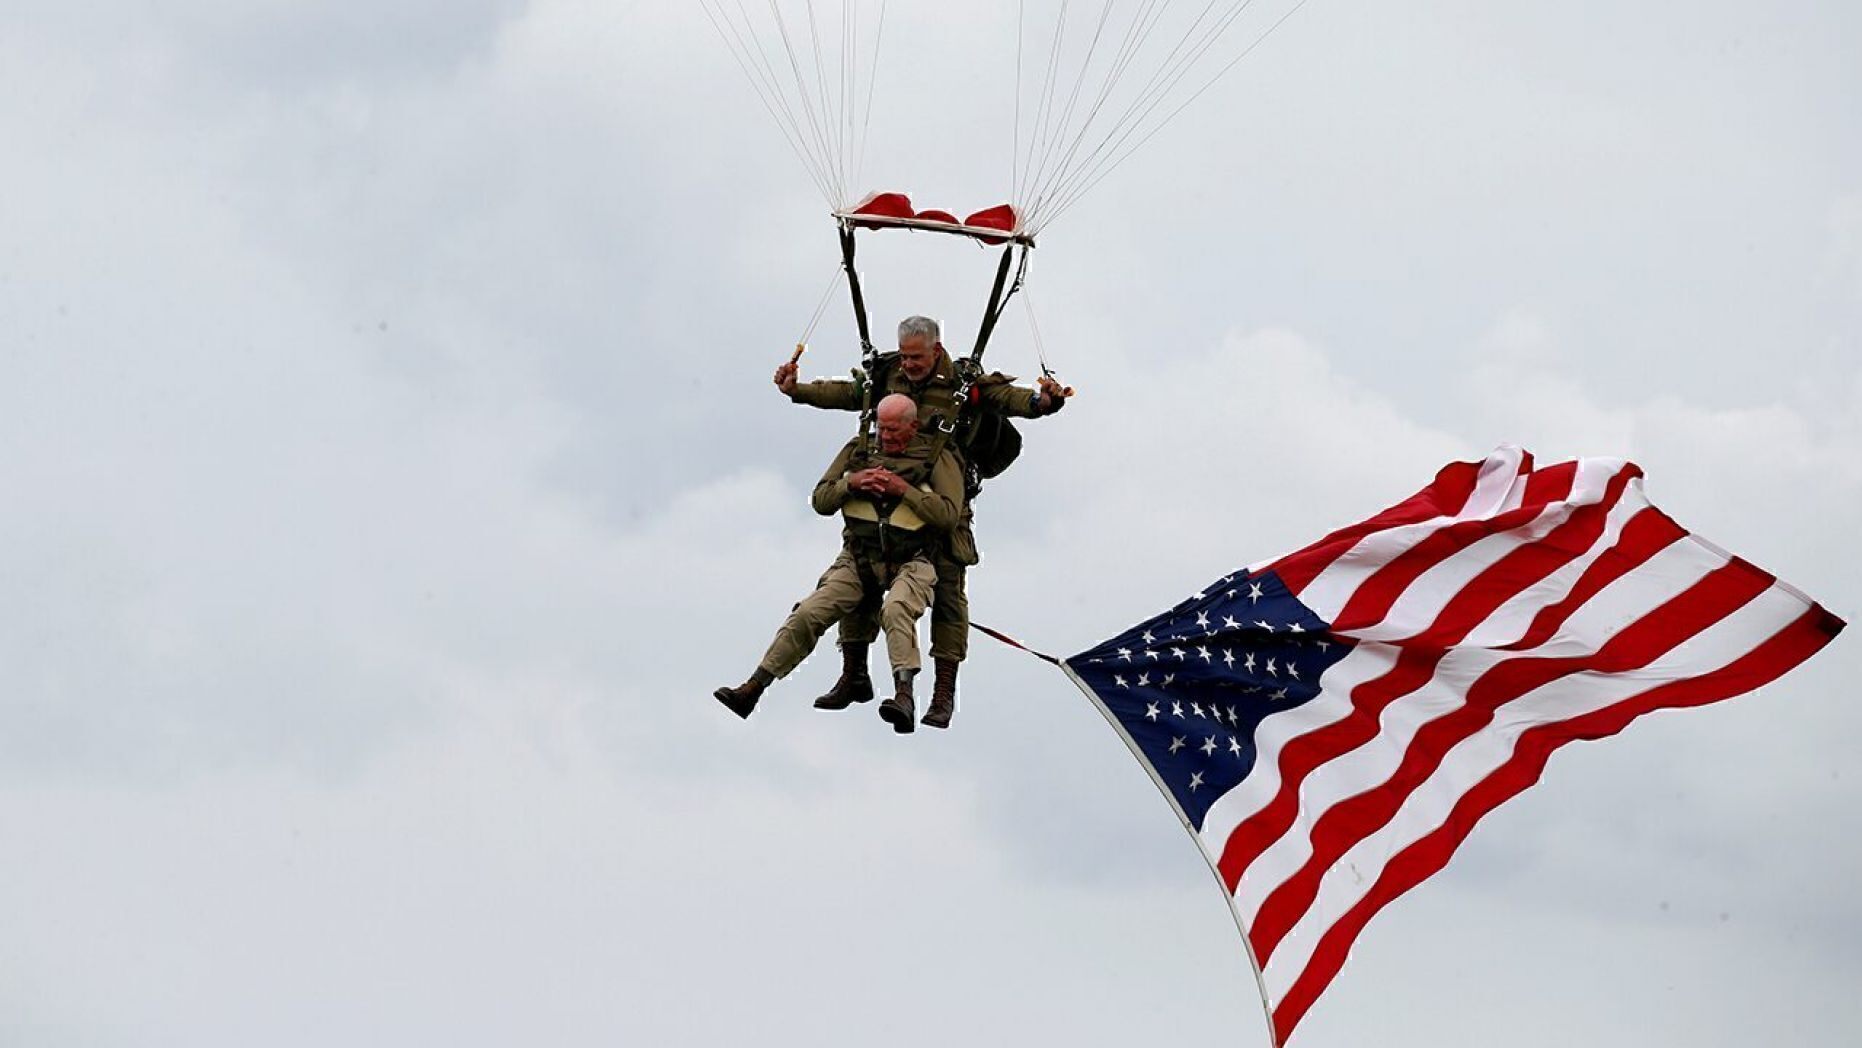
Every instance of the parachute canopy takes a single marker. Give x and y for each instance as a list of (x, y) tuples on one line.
[(995, 225)]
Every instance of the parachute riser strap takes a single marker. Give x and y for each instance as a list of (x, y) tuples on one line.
[(869, 357), (970, 369), (997, 299)]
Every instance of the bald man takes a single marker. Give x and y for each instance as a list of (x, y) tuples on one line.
[(899, 507)]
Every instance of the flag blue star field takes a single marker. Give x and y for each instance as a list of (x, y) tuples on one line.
[(1331, 724)]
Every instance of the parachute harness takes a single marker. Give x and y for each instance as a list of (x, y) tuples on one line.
[(968, 370)]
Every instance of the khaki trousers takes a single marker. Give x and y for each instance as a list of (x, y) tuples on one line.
[(908, 592), (950, 616)]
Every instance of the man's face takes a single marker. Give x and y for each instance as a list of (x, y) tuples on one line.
[(895, 433), (917, 357)]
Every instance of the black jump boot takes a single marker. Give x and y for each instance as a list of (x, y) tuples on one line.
[(898, 711), (854, 685), (741, 700), (943, 695)]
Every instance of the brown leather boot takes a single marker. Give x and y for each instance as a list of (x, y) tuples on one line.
[(943, 695), (741, 700), (898, 711), (854, 685)]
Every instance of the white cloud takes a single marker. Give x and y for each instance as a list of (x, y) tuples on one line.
[(400, 475), (1845, 244)]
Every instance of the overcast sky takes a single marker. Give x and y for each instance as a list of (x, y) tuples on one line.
[(392, 471)]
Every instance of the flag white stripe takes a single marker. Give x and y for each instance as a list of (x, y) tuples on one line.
[(1510, 621), (1370, 765), (1471, 761), (1498, 487), (1416, 609)]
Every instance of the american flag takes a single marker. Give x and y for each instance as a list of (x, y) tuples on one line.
[(1330, 725)]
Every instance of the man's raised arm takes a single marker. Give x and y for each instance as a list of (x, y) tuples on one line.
[(999, 392), (838, 394)]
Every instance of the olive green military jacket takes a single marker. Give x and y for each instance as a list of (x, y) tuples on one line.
[(933, 502), (936, 396)]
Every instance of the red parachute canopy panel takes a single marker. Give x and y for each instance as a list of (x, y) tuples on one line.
[(995, 225)]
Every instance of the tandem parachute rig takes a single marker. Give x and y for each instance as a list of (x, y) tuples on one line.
[(1093, 84), (995, 226)]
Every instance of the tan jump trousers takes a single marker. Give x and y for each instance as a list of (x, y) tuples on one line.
[(950, 616), (837, 594)]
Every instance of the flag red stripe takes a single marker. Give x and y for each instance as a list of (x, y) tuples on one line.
[(1550, 484), (1416, 863), (1372, 600), (1715, 596), (1524, 567), (1647, 533), (1444, 497)]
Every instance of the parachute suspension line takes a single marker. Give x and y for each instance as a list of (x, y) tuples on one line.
[(1162, 79), (849, 68), (866, 121), (1107, 169), (1142, 23), (1015, 145), (821, 307), (828, 128), (810, 81), (1034, 328), (1140, 30), (1056, 128), (802, 91), (1040, 344), (1079, 139), (1044, 109), (1119, 61), (830, 119), (1059, 140), (766, 91), (810, 143), (1158, 90)]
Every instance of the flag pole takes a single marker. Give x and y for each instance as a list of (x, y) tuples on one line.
[(1273, 1038)]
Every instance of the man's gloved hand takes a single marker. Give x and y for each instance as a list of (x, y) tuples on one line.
[(1053, 395)]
